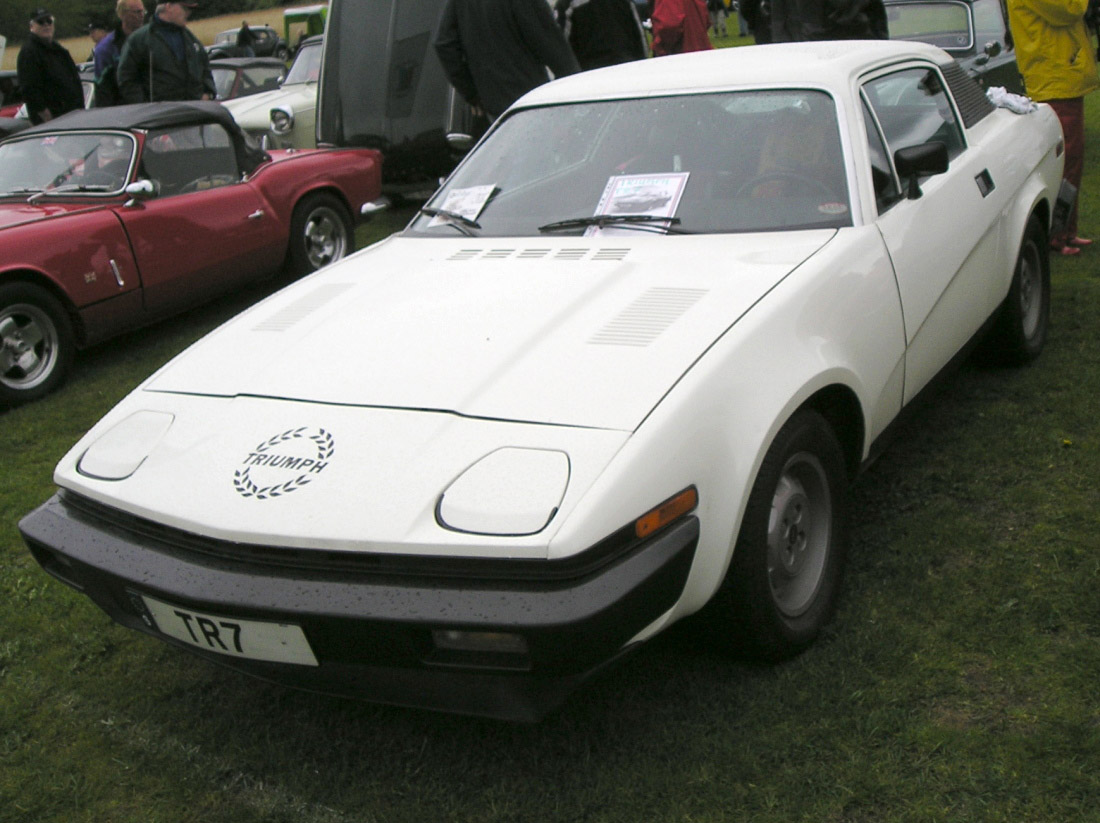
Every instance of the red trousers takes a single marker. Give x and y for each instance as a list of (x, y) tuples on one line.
[(1071, 114)]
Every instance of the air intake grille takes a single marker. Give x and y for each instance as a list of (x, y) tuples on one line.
[(643, 321)]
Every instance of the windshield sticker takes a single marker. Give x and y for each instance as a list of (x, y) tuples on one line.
[(466, 203), (653, 195), (284, 463)]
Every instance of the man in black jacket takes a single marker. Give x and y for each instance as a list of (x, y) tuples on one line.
[(164, 60), (47, 73), (602, 32), (495, 51)]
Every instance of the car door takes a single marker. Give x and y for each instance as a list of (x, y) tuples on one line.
[(206, 232), (945, 243)]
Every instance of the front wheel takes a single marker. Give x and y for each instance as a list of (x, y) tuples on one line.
[(36, 343), (321, 232), (1020, 331), (788, 559)]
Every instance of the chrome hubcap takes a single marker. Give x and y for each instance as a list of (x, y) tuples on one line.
[(1031, 295), (325, 238), (799, 533), (28, 346)]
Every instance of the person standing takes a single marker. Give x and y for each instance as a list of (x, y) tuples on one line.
[(46, 71), (680, 26), (495, 51), (131, 17), (97, 30), (717, 11), (163, 60), (602, 32), (1055, 57), (246, 41)]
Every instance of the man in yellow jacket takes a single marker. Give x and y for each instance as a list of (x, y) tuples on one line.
[(1055, 57)]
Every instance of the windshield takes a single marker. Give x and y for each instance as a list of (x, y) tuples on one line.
[(730, 162), (307, 66), (253, 80), (946, 25), (80, 162)]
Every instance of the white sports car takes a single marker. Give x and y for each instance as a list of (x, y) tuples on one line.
[(469, 466)]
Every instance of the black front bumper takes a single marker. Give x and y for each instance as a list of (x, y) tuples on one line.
[(370, 624)]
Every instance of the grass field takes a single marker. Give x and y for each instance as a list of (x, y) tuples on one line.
[(957, 683)]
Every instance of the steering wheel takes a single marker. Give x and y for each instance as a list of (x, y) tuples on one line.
[(800, 180), (102, 178)]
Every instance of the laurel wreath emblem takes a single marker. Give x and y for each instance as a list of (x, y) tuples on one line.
[(247, 487)]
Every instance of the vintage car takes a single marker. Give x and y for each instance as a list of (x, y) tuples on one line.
[(468, 467), (266, 43), (244, 76), (113, 218), (285, 118), (974, 32)]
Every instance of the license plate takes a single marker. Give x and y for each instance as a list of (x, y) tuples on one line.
[(253, 639)]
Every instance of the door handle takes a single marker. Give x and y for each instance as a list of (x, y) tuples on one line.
[(256, 215), (117, 273)]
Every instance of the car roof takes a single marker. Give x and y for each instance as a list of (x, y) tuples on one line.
[(824, 64), (156, 116)]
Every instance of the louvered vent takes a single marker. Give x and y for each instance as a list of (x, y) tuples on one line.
[(643, 321), (973, 105), (301, 308)]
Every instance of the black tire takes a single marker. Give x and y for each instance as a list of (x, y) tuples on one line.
[(1020, 330), (281, 52), (321, 232), (36, 343), (782, 585)]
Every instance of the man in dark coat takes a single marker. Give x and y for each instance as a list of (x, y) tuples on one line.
[(47, 73), (602, 32), (164, 60), (495, 51)]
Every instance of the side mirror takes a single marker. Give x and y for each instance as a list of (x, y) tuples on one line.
[(915, 162), (459, 141), (141, 190)]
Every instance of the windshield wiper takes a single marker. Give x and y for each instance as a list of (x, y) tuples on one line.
[(459, 221), (643, 222)]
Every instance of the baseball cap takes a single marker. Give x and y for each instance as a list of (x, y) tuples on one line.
[(37, 14)]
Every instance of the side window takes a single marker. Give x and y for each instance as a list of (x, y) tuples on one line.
[(913, 109), (882, 171), (189, 158)]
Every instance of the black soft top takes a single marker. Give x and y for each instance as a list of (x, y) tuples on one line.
[(149, 116)]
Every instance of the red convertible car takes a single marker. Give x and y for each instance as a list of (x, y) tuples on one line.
[(114, 218)]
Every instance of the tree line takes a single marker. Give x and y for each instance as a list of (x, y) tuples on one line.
[(73, 16)]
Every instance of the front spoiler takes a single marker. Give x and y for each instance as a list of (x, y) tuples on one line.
[(371, 630)]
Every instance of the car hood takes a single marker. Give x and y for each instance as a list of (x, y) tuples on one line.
[(574, 332), (254, 109)]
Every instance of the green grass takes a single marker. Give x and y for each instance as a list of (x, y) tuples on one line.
[(957, 683)]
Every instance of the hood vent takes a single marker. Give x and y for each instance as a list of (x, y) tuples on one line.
[(643, 321), (595, 255), (301, 308)]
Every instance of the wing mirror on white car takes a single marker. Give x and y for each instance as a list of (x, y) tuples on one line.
[(915, 162)]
